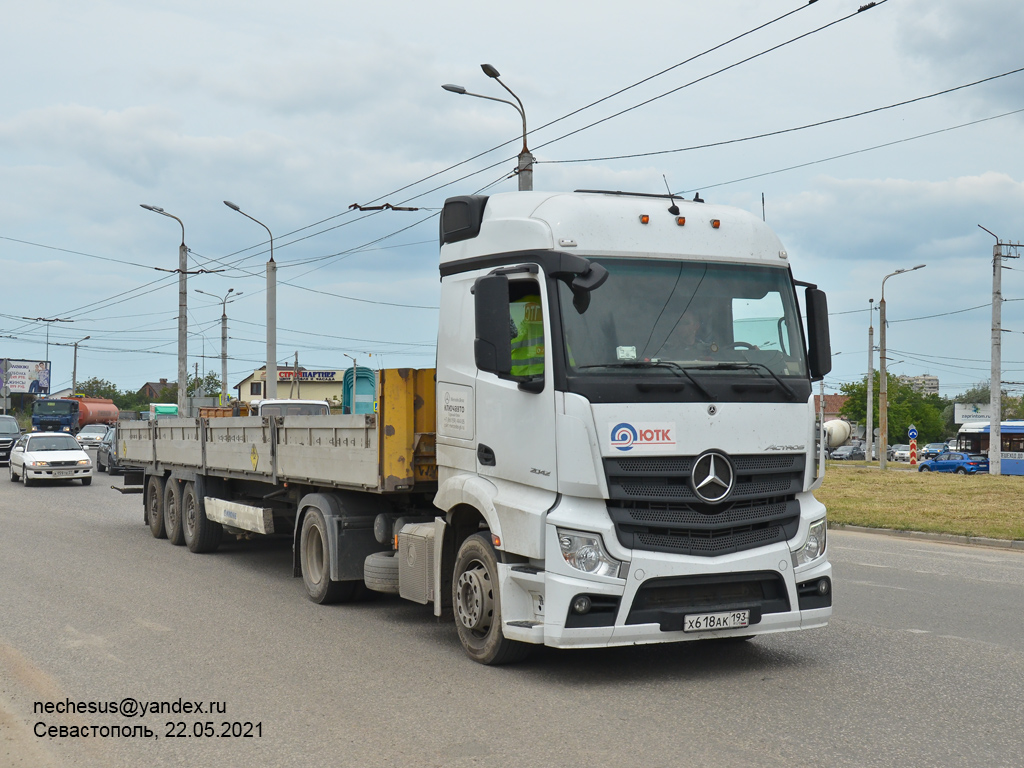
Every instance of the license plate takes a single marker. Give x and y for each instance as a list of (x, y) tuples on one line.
[(704, 622), (63, 472)]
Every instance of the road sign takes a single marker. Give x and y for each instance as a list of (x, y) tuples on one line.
[(912, 432)]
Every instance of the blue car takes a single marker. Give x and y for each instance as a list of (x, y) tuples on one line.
[(960, 463)]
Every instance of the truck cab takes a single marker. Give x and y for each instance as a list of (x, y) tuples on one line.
[(628, 446)]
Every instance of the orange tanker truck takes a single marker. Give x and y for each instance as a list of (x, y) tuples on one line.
[(70, 414)]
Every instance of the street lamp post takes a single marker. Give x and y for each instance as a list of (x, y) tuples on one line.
[(74, 367), (525, 166), (223, 337), (270, 392), (883, 389), (869, 436), (182, 310)]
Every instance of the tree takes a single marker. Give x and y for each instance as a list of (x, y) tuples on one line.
[(906, 406), (95, 387), (204, 386)]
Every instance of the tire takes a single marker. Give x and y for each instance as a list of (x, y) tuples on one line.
[(99, 464), (476, 604), (172, 513), (14, 477), (201, 534), (86, 481), (315, 561), (924, 469), (961, 471), (24, 479), (380, 572), (155, 507)]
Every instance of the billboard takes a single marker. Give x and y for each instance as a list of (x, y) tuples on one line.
[(966, 413), (26, 376)]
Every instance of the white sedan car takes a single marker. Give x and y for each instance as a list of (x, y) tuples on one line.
[(92, 435), (49, 456)]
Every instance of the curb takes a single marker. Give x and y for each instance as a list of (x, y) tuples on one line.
[(948, 538)]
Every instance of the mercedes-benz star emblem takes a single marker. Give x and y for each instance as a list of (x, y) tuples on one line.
[(712, 477)]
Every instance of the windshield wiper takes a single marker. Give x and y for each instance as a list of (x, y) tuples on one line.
[(677, 369), (751, 366)]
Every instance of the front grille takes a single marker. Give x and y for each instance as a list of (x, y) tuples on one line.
[(60, 464), (654, 507)]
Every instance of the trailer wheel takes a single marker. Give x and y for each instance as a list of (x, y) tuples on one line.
[(172, 512), (201, 534), (476, 603), (155, 507), (380, 572), (315, 561)]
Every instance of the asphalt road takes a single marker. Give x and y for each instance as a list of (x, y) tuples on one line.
[(922, 665)]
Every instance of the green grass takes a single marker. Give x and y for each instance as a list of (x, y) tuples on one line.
[(907, 500)]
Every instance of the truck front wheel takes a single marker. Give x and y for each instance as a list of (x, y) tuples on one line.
[(476, 602), (172, 513), (155, 507), (315, 561), (201, 534)]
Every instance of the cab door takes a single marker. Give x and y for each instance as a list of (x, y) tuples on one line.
[(515, 411)]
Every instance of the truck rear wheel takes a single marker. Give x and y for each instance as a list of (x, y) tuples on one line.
[(201, 534), (315, 561), (476, 603), (380, 572), (172, 512), (155, 507)]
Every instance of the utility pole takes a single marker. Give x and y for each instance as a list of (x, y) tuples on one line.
[(995, 432), (869, 437), (74, 369), (223, 338)]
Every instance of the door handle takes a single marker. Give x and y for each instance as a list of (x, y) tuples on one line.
[(485, 455)]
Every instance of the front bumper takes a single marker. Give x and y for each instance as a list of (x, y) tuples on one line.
[(658, 589), (57, 473)]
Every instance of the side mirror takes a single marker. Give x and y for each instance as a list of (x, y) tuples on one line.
[(493, 345), (819, 345)]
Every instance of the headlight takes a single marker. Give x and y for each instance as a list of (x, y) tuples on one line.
[(84, 462), (39, 463), (585, 552), (814, 547)]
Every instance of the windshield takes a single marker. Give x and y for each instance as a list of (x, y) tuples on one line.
[(53, 443), (9, 427), (694, 315), (94, 429), (53, 407)]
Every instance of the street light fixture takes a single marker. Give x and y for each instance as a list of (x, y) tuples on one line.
[(74, 368), (223, 337), (182, 309), (525, 166), (270, 392), (883, 389)]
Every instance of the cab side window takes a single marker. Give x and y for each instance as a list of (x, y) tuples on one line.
[(526, 328)]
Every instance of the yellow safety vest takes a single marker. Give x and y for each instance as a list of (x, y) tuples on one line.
[(528, 343)]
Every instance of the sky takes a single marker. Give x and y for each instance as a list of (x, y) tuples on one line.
[(297, 111)]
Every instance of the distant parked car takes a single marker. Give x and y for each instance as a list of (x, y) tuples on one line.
[(9, 432), (901, 453), (106, 454), (932, 450), (961, 463), (848, 453)]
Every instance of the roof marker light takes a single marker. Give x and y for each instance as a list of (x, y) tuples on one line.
[(715, 223), (645, 219), (681, 221)]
